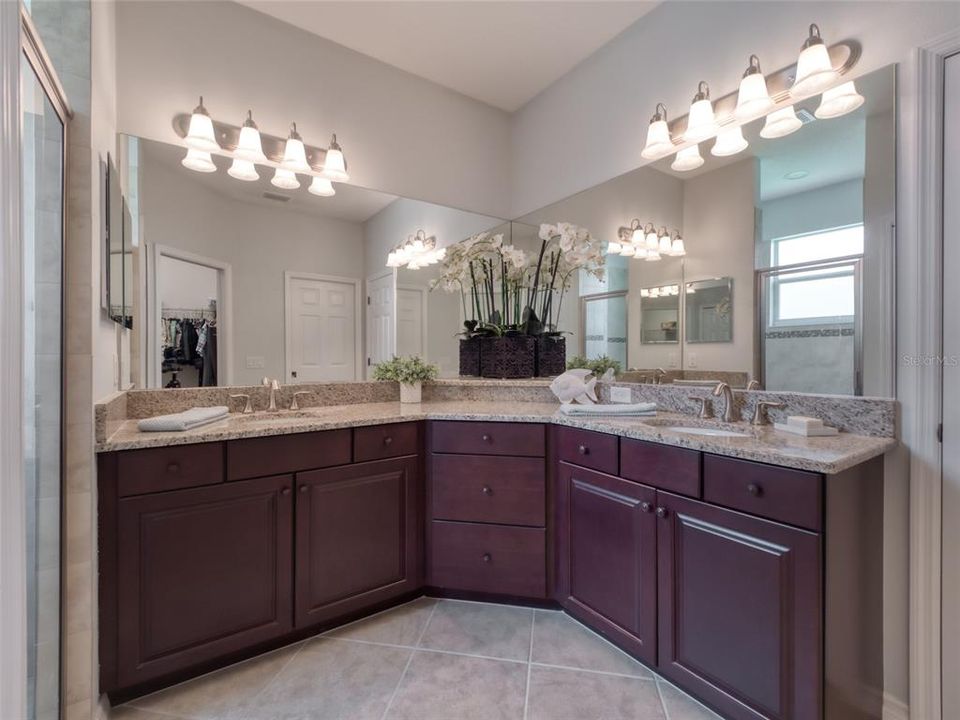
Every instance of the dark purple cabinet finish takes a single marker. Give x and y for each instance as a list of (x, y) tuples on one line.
[(386, 441), (488, 438), (607, 557), (201, 573), (358, 537), (487, 488), (661, 466), (169, 468), (740, 611), (594, 450), (256, 457)]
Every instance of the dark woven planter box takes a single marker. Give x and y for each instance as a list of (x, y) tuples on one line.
[(470, 357), (508, 357), (551, 356)]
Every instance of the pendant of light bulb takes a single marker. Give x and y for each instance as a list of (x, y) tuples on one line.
[(662, 291), (645, 242), (201, 142), (418, 251), (814, 74)]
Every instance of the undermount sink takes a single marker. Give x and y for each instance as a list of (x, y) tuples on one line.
[(705, 428), (268, 417), (711, 432)]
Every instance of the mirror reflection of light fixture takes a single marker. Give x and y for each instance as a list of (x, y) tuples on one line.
[(838, 101), (677, 248), (322, 187), (781, 123), (701, 122), (664, 242), (418, 251), (249, 146), (729, 142), (243, 170), (335, 166), (687, 159), (815, 71), (294, 154), (199, 161), (651, 240), (285, 179), (753, 99), (658, 136), (200, 135)]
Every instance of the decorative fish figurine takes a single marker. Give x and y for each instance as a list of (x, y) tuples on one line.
[(574, 386)]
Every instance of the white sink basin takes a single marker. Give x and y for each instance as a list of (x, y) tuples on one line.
[(711, 432)]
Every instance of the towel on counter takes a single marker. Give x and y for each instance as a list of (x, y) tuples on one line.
[(186, 420), (647, 409)]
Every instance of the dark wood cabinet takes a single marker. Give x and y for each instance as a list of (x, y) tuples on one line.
[(201, 573), (740, 610), (358, 537), (607, 556)]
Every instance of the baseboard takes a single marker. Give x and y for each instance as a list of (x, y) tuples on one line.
[(894, 708)]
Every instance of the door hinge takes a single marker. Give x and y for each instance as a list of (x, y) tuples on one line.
[(940, 433)]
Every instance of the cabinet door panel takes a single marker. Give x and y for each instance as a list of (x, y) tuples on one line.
[(357, 537), (740, 610), (607, 554), (202, 573)]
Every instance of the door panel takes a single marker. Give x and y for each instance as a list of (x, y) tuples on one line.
[(358, 533), (202, 573), (380, 310), (607, 554), (737, 587), (321, 327)]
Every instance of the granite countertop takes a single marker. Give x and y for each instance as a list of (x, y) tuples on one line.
[(763, 444)]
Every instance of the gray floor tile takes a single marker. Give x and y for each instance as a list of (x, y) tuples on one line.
[(332, 680), (495, 631), (681, 706), (453, 687), (560, 640), (400, 626), (576, 695), (219, 695)]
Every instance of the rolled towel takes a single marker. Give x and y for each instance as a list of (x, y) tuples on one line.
[(622, 410), (186, 420)]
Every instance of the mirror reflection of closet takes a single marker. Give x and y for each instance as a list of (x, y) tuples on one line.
[(189, 297)]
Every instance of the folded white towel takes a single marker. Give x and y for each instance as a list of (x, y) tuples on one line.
[(622, 410), (186, 420)]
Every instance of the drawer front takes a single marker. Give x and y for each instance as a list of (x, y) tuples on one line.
[(594, 450), (489, 558), (488, 438), (661, 466), (169, 468), (258, 457), (481, 488), (385, 441), (790, 496)]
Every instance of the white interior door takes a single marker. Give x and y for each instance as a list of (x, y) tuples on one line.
[(321, 329), (411, 322), (380, 309), (950, 626)]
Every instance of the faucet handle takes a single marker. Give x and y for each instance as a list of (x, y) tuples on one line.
[(706, 406), (753, 385), (247, 407), (720, 388), (759, 412), (294, 405)]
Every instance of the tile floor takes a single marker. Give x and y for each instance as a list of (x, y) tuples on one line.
[(432, 660)]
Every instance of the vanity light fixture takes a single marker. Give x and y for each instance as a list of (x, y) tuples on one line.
[(815, 71), (701, 122), (200, 135), (753, 99), (781, 123), (416, 252), (335, 166), (838, 101), (729, 142), (294, 154), (243, 170), (285, 179), (687, 159), (322, 187), (658, 135), (250, 146), (199, 161)]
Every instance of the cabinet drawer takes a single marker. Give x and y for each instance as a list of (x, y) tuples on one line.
[(280, 454), (488, 438), (790, 496), (661, 466), (594, 450), (479, 488), (385, 441), (489, 558), (169, 468)]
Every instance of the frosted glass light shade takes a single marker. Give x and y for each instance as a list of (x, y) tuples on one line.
[(676, 248), (753, 100), (658, 141), (687, 159), (839, 101), (200, 134), (249, 146), (701, 122), (613, 248), (628, 250), (815, 71), (334, 165), (294, 155), (730, 141), (664, 248), (781, 123), (199, 161), (393, 259), (322, 187), (285, 179), (651, 241), (243, 170), (638, 237), (652, 256)]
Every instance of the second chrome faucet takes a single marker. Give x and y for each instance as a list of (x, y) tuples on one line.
[(729, 411)]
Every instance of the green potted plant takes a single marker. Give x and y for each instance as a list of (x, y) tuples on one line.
[(598, 366), (410, 372)]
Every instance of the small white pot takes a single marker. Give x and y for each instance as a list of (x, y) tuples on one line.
[(411, 392)]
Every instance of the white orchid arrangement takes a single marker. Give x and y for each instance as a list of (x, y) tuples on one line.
[(505, 290)]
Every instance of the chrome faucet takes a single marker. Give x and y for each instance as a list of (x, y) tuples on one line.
[(728, 410), (274, 386), (658, 376), (753, 385)]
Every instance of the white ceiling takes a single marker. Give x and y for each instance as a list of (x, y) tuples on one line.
[(501, 53)]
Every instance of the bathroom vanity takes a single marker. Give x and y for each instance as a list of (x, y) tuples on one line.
[(750, 581)]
